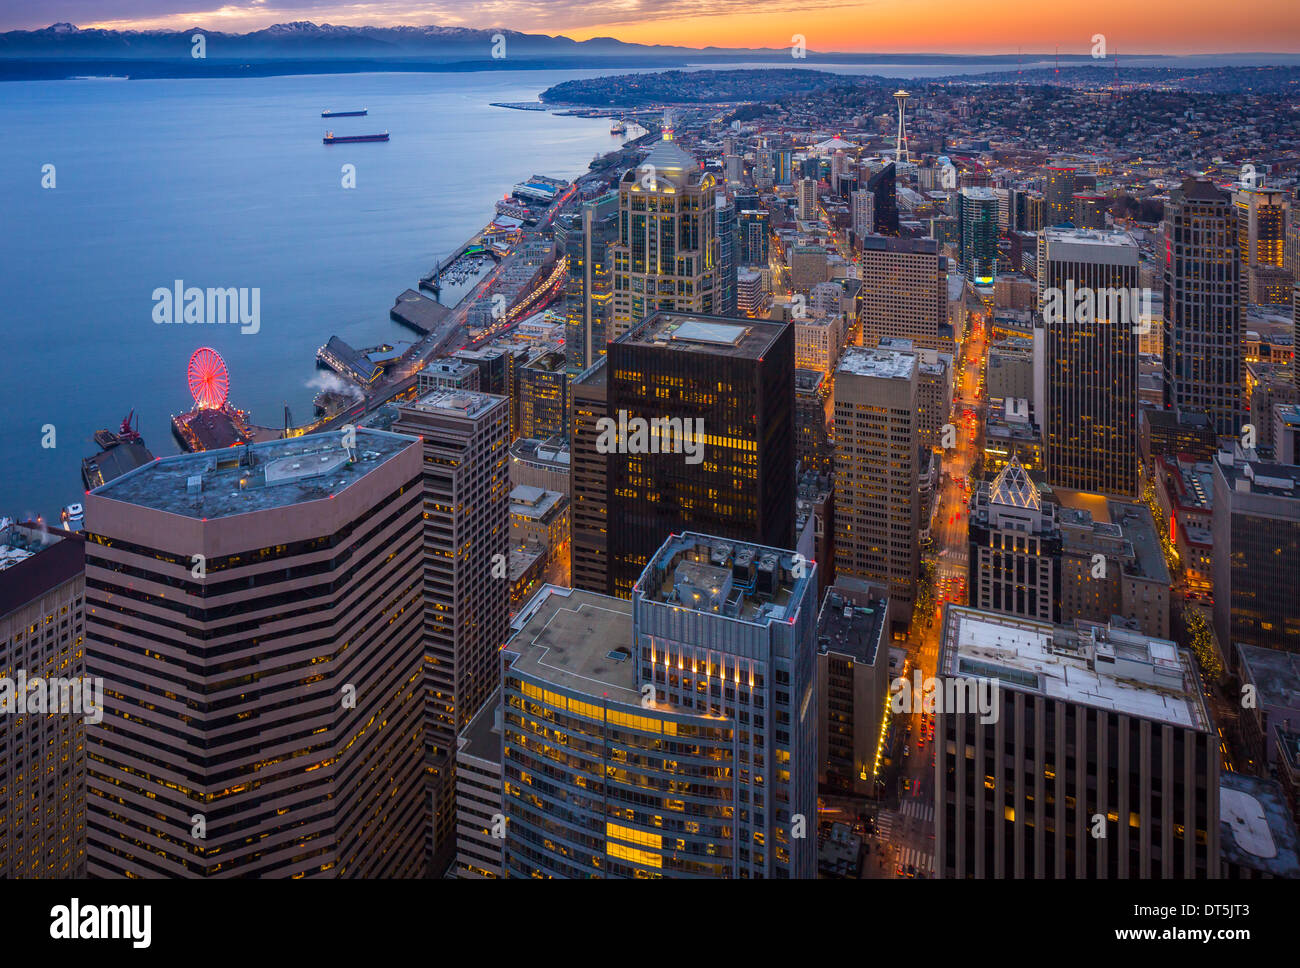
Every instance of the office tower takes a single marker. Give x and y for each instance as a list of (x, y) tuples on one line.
[(863, 222), (784, 159), (543, 397), (1286, 433), (881, 185), (1261, 225), (905, 292), (466, 532), (1256, 553), (1261, 240), (753, 228), (933, 388), (666, 257), (1015, 548), (1203, 311), (479, 806), (255, 614), (809, 265), (715, 650), (1110, 735), (590, 510), (977, 213), (725, 229), (1058, 197), (731, 386), (818, 341), (1090, 211), (589, 291), (852, 686), (1091, 359), (1112, 563), (457, 374), (877, 511), (751, 297), (43, 753), (812, 421), (1035, 212), (807, 199)]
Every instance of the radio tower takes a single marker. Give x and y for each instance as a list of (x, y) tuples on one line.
[(901, 153)]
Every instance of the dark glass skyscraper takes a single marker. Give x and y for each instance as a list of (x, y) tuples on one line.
[(731, 385), (882, 186), (585, 239), (1092, 363), (1203, 352), (725, 211)]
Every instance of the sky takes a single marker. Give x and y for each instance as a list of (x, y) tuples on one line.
[(958, 26)]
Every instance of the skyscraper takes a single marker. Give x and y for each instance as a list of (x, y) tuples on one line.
[(1203, 312), (753, 228), (863, 207), (588, 295), (725, 225), (1091, 359), (1261, 240), (43, 753), (1256, 530), (715, 652), (466, 532), (977, 212), (1115, 772), (666, 257), (882, 186), (807, 199), (877, 509), (589, 519), (729, 386), (1058, 197), (905, 292), (255, 614)]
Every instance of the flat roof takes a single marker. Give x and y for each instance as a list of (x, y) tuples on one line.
[(722, 335), (881, 364), (1276, 674), (1258, 831), (564, 636), (852, 623), (1061, 663), (255, 477), (463, 403)]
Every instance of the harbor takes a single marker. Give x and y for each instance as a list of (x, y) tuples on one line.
[(506, 273)]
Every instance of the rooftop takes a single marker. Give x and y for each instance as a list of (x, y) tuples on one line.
[(706, 334), (1258, 830), (752, 583), (462, 403), (1276, 675), (852, 623), (566, 636), (1093, 665), (881, 364), (255, 477)]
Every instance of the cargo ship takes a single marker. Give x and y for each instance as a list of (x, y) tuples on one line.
[(332, 139), (618, 127), (343, 114)]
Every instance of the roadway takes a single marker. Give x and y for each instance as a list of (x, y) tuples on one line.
[(907, 832)]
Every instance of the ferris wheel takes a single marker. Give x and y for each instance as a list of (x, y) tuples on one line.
[(209, 381)]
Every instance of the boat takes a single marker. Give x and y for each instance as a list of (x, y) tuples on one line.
[(73, 517), (332, 139), (618, 127), (343, 114)]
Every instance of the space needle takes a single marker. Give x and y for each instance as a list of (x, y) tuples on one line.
[(900, 146)]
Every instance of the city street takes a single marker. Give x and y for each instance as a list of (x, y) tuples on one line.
[(907, 832)]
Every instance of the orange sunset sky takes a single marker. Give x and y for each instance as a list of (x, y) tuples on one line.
[(974, 26)]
